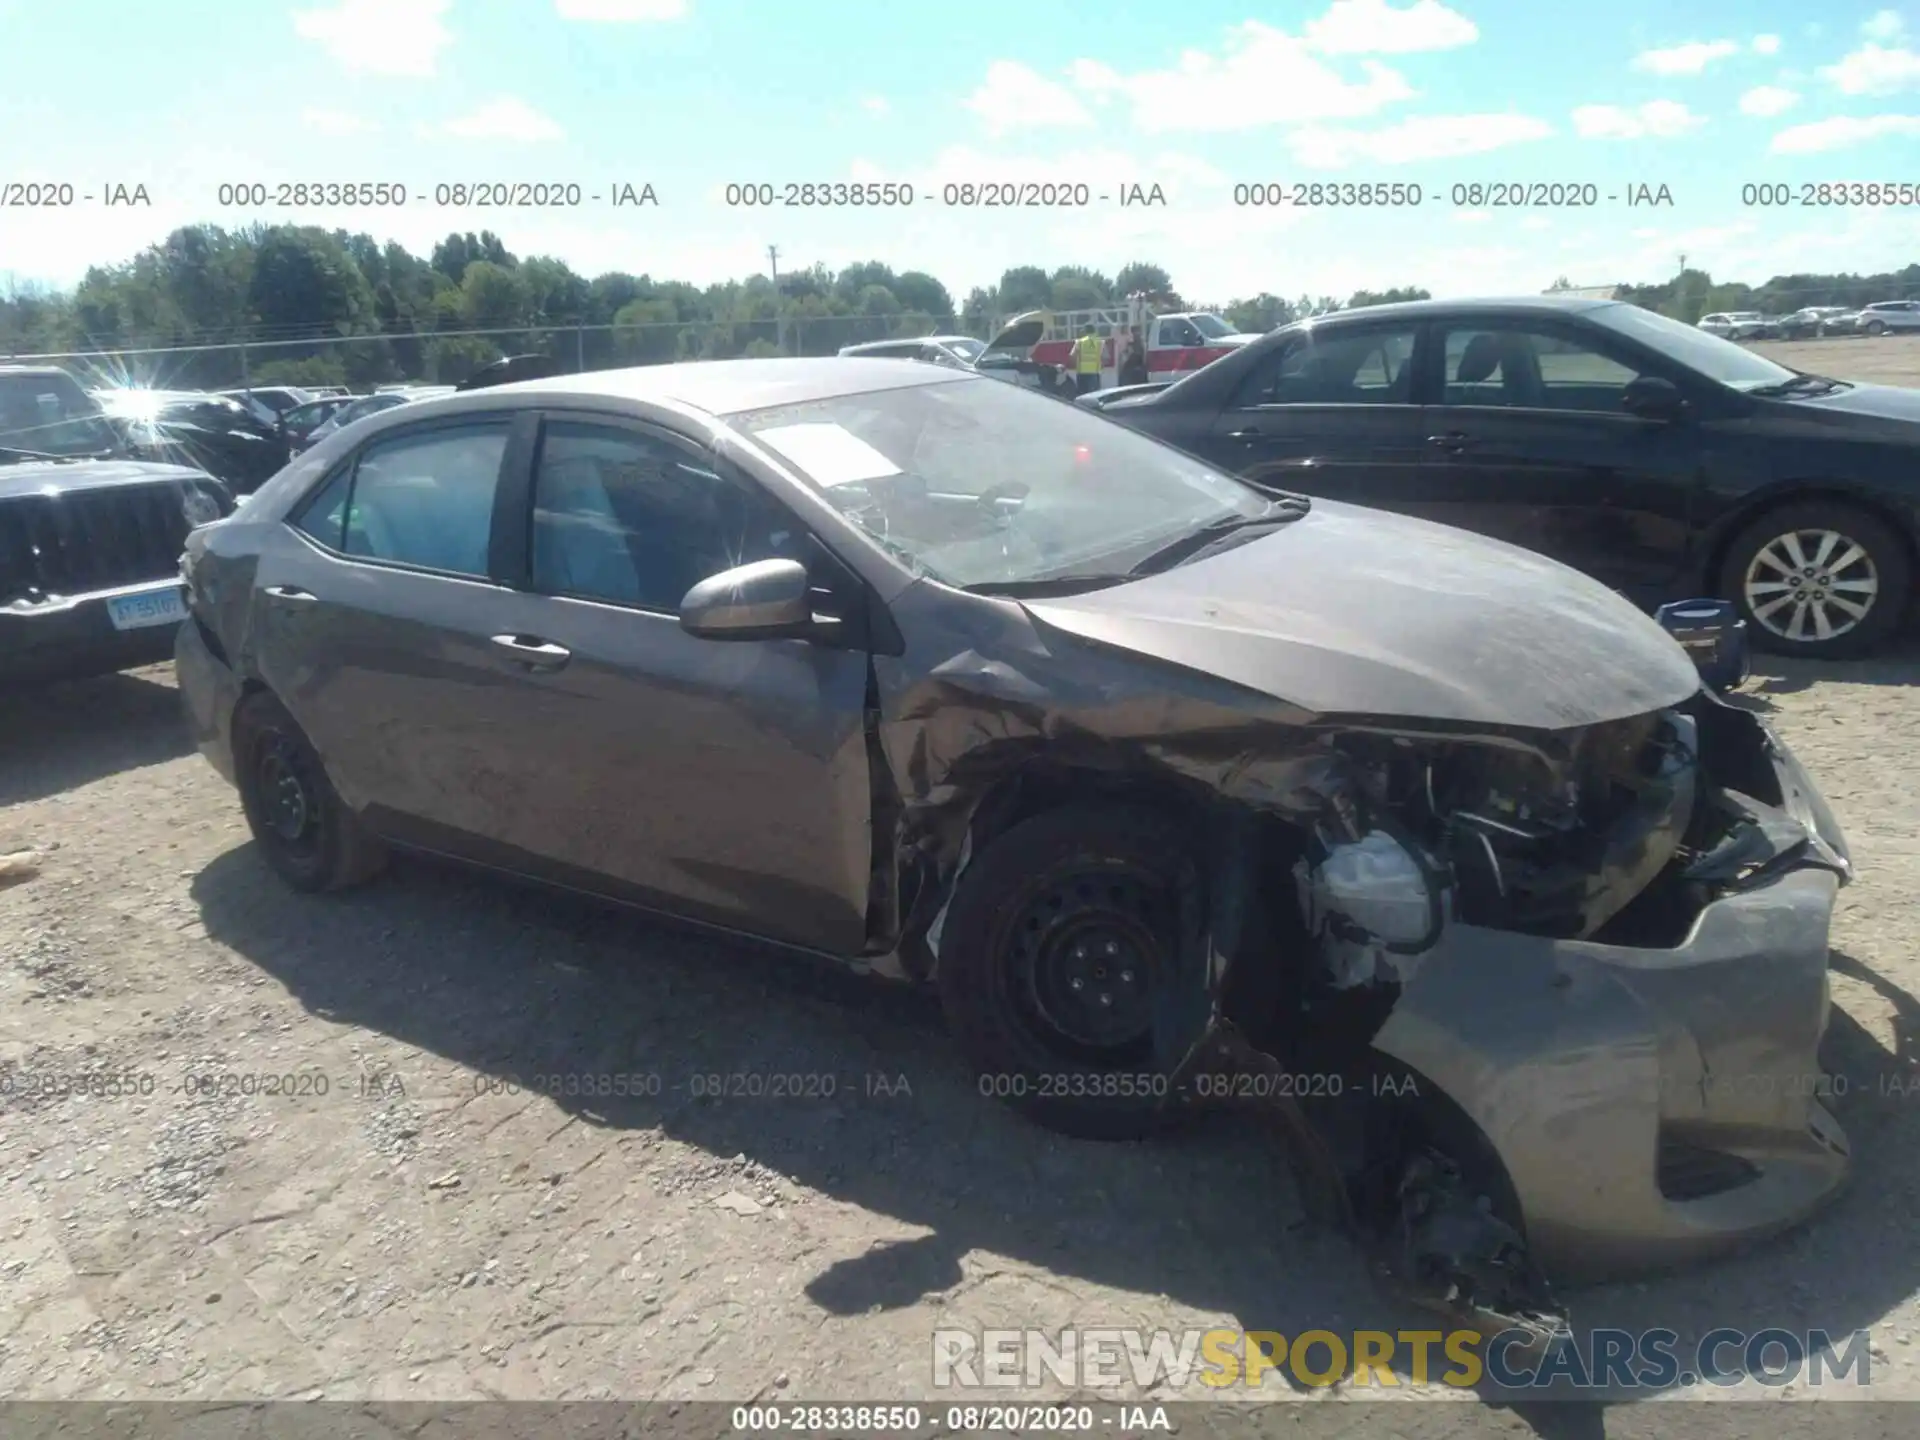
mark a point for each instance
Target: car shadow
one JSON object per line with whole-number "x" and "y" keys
{"x": 1897, "y": 664}
{"x": 511, "y": 981}
{"x": 57, "y": 737}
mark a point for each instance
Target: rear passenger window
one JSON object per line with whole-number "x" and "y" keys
{"x": 324, "y": 517}
{"x": 426, "y": 498}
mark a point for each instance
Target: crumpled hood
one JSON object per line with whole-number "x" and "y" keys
{"x": 1362, "y": 612}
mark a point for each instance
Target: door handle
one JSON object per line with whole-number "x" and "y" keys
{"x": 1451, "y": 440}
{"x": 1249, "y": 434}
{"x": 293, "y": 594}
{"x": 532, "y": 652}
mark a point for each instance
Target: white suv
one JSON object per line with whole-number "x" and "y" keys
{"x": 1734, "y": 324}
{"x": 1889, "y": 315}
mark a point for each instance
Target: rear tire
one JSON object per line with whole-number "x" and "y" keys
{"x": 304, "y": 829}
{"x": 1058, "y": 937}
{"x": 1812, "y": 565}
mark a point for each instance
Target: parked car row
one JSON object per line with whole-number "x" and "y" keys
{"x": 1884, "y": 317}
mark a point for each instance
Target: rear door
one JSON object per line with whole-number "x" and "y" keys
{"x": 724, "y": 780}
{"x": 1529, "y": 443}
{"x": 375, "y": 609}
{"x": 1331, "y": 413}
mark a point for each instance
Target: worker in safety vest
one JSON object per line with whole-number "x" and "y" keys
{"x": 1086, "y": 361}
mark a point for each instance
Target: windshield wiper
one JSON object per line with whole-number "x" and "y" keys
{"x": 1192, "y": 546}
{"x": 1801, "y": 385}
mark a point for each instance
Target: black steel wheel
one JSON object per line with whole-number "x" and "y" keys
{"x": 1060, "y": 938}
{"x": 307, "y": 834}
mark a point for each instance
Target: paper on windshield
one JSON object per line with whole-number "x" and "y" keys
{"x": 829, "y": 454}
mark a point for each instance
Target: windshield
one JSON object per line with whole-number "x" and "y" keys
{"x": 1709, "y": 355}
{"x": 1212, "y": 326}
{"x": 979, "y": 484}
{"x": 967, "y": 350}
{"x": 49, "y": 414}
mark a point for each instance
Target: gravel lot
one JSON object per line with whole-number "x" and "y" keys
{"x": 418, "y": 1232}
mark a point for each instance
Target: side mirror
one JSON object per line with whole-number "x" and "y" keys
{"x": 1652, "y": 397}
{"x": 767, "y": 600}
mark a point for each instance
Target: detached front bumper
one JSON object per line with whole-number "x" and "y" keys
{"x": 73, "y": 637}
{"x": 1652, "y": 1106}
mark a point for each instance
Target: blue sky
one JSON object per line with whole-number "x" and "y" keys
{"x": 1194, "y": 95}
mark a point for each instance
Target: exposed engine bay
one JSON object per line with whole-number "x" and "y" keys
{"x": 1619, "y": 834}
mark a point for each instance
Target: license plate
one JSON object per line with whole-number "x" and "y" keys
{"x": 149, "y": 607}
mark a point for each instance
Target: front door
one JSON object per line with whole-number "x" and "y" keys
{"x": 1529, "y": 443}
{"x": 1330, "y": 414}
{"x": 725, "y": 780}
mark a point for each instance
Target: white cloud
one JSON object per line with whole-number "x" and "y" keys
{"x": 1018, "y": 97}
{"x": 379, "y": 37}
{"x": 1262, "y": 77}
{"x": 1883, "y": 25}
{"x": 504, "y": 119}
{"x": 1768, "y": 100}
{"x": 1429, "y": 137}
{"x": 1842, "y": 131}
{"x": 876, "y": 105}
{"x": 337, "y": 123}
{"x": 1688, "y": 59}
{"x": 620, "y": 11}
{"x": 1874, "y": 70}
{"x": 1664, "y": 119}
{"x": 1375, "y": 27}
{"x": 1766, "y": 44}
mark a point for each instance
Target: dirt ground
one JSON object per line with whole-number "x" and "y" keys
{"x": 1881, "y": 359}
{"x": 420, "y": 1232}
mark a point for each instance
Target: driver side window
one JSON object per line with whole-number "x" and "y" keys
{"x": 629, "y": 518}
{"x": 1536, "y": 369}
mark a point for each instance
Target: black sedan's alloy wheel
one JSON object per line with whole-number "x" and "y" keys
{"x": 307, "y": 834}
{"x": 1818, "y": 578}
{"x": 1060, "y": 932}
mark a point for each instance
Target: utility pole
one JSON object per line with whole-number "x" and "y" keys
{"x": 779, "y": 310}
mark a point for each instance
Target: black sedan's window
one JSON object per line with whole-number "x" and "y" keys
{"x": 1371, "y": 367}
{"x": 1535, "y": 369}
{"x": 624, "y": 517}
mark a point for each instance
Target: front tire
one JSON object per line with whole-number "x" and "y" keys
{"x": 1059, "y": 937}
{"x": 1875, "y": 327}
{"x": 1819, "y": 579}
{"x": 303, "y": 828}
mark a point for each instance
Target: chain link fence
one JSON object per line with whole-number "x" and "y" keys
{"x": 442, "y": 357}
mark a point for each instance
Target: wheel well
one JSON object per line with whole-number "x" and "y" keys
{"x": 1801, "y": 495}
{"x": 1257, "y": 980}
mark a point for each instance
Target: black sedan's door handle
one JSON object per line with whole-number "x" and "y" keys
{"x": 292, "y": 594}
{"x": 532, "y": 652}
{"x": 1248, "y": 434}
{"x": 1451, "y": 440}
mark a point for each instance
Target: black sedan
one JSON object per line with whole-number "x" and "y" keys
{"x": 1664, "y": 461}
{"x": 208, "y": 432}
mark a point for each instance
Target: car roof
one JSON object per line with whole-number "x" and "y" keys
{"x": 1455, "y": 309}
{"x": 732, "y": 387}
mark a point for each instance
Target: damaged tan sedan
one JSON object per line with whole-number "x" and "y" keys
{"x": 1178, "y": 790}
